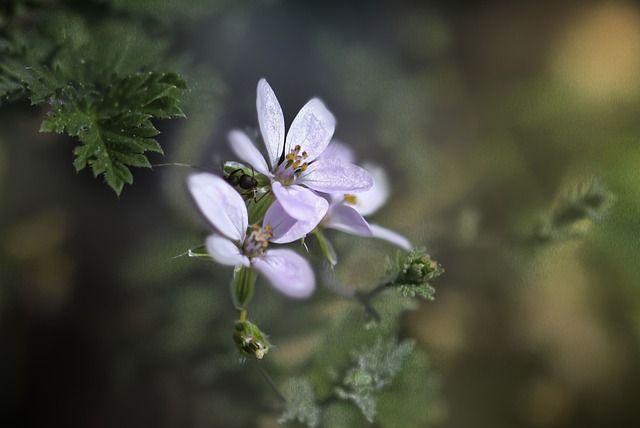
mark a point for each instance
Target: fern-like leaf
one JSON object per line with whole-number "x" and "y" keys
{"x": 301, "y": 404}
{"x": 113, "y": 138}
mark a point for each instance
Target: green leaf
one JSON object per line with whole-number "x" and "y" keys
{"x": 301, "y": 404}
{"x": 114, "y": 124}
{"x": 579, "y": 208}
{"x": 95, "y": 73}
{"x": 12, "y": 75}
{"x": 374, "y": 368}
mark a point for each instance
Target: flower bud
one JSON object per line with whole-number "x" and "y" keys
{"x": 250, "y": 340}
{"x": 418, "y": 268}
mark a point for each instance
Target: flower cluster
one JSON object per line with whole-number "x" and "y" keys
{"x": 305, "y": 183}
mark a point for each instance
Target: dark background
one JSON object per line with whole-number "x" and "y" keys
{"x": 484, "y": 114}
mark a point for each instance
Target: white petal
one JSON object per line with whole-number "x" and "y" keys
{"x": 299, "y": 202}
{"x": 225, "y": 252}
{"x": 338, "y": 150}
{"x": 287, "y": 271}
{"x": 286, "y": 228}
{"x": 311, "y": 129}
{"x": 390, "y": 236}
{"x": 335, "y": 176}
{"x": 271, "y": 121}
{"x": 346, "y": 219}
{"x": 220, "y": 204}
{"x": 373, "y": 199}
{"x": 243, "y": 148}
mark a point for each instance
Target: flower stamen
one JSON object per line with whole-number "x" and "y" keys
{"x": 294, "y": 163}
{"x": 257, "y": 241}
{"x": 351, "y": 199}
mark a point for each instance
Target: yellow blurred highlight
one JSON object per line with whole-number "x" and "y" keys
{"x": 599, "y": 55}
{"x": 558, "y": 314}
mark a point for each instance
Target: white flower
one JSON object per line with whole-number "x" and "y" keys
{"x": 225, "y": 209}
{"x": 294, "y": 166}
{"x": 346, "y": 211}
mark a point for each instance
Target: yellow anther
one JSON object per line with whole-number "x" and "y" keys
{"x": 290, "y": 156}
{"x": 296, "y": 164}
{"x": 305, "y": 155}
{"x": 351, "y": 199}
{"x": 304, "y": 166}
{"x": 297, "y": 148}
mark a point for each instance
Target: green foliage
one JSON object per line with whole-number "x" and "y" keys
{"x": 168, "y": 12}
{"x": 355, "y": 364}
{"x": 113, "y": 139}
{"x": 98, "y": 75}
{"x": 301, "y": 403}
{"x": 574, "y": 212}
{"x": 411, "y": 273}
{"x": 374, "y": 368}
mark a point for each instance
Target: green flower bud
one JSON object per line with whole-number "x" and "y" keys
{"x": 418, "y": 268}
{"x": 250, "y": 340}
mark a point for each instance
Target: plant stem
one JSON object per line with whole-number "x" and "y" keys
{"x": 270, "y": 381}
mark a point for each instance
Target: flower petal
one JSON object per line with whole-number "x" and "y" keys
{"x": 346, "y": 219}
{"x": 287, "y": 271}
{"x": 271, "y": 120}
{"x": 333, "y": 176}
{"x": 373, "y": 199}
{"x": 225, "y": 252}
{"x": 338, "y": 150}
{"x": 243, "y": 148}
{"x": 312, "y": 129}
{"x": 220, "y": 204}
{"x": 390, "y": 236}
{"x": 286, "y": 228}
{"x": 299, "y": 202}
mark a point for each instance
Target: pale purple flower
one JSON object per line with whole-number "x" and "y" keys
{"x": 293, "y": 162}
{"x": 346, "y": 211}
{"x": 239, "y": 244}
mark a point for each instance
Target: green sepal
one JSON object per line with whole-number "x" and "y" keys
{"x": 242, "y": 284}
{"x": 199, "y": 252}
{"x": 258, "y": 209}
{"x": 326, "y": 247}
{"x": 250, "y": 340}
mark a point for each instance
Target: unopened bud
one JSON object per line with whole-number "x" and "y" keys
{"x": 250, "y": 340}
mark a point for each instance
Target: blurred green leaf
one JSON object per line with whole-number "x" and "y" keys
{"x": 301, "y": 403}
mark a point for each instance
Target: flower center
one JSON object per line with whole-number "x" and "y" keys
{"x": 256, "y": 242}
{"x": 294, "y": 162}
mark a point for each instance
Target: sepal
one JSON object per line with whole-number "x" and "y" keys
{"x": 242, "y": 284}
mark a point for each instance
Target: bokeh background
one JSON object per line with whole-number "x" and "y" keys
{"x": 485, "y": 115}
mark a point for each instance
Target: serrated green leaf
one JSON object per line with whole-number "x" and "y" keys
{"x": 96, "y": 74}
{"x": 115, "y": 130}
{"x": 133, "y": 159}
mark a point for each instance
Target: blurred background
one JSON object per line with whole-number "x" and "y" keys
{"x": 487, "y": 117}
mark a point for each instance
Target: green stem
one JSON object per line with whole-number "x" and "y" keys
{"x": 270, "y": 381}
